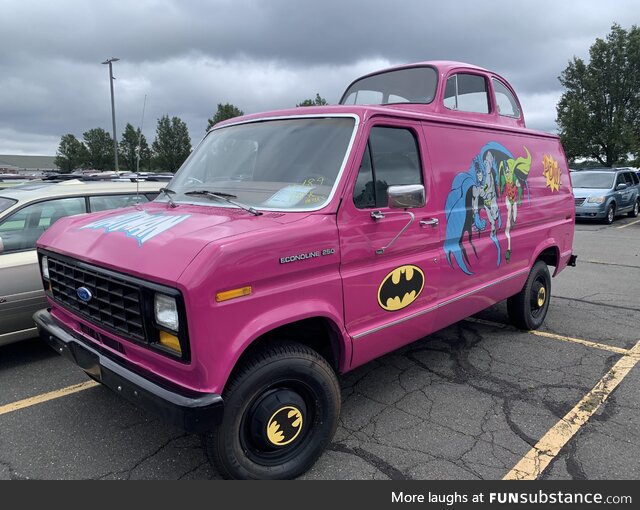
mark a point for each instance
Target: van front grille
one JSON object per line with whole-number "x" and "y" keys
{"x": 113, "y": 303}
{"x": 579, "y": 201}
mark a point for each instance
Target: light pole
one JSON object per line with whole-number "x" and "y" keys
{"x": 113, "y": 110}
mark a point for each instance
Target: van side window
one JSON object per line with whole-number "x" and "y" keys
{"x": 506, "y": 103}
{"x": 391, "y": 158}
{"x": 620, "y": 179}
{"x": 629, "y": 179}
{"x": 466, "y": 93}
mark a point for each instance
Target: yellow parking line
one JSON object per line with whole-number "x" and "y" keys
{"x": 532, "y": 465}
{"x": 588, "y": 343}
{"x": 39, "y": 399}
{"x": 629, "y": 224}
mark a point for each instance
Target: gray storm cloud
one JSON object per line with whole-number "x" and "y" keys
{"x": 189, "y": 56}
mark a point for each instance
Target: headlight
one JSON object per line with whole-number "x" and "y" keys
{"x": 45, "y": 267}
{"x": 596, "y": 200}
{"x": 166, "y": 311}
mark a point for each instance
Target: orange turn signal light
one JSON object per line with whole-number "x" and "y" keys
{"x": 232, "y": 294}
{"x": 170, "y": 341}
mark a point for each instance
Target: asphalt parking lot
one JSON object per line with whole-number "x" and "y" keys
{"x": 478, "y": 400}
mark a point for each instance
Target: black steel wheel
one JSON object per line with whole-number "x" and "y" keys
{"x": 281, "y": 411}
{"x": 528, "y": 309}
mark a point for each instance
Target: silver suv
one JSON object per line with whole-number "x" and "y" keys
{"x": 25, "y": 213}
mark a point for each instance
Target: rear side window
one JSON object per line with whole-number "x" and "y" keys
{"x": 506, "y": 103}
{"x": 21, "y": 230}
{"x": 466, "y": 93}
{"x": 390, "y": 159}
{"x": 104, "y": 203}
{"x": 5, "y": 203}
{"x": 636, "y": 179}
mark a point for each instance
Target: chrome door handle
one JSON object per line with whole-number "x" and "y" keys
{"x": 431, "y": 221}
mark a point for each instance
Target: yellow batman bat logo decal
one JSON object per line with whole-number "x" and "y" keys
{"x": 284, "y": 426}
{"x": 400, "y": 288}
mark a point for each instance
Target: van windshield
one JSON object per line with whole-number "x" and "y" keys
{"x": 594, "y": 180}
{"x": 283, "y": 164}
{"x": 412, "y": 85}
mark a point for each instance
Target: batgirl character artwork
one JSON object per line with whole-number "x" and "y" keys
{"x": 495, "y": 176}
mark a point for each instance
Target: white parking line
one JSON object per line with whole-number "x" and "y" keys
{"x": 629, "y": 224}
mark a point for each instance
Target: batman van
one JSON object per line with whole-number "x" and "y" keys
{"x": 296, "y": 245}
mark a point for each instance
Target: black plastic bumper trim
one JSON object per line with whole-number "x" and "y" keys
{"x": 189, "y": 410}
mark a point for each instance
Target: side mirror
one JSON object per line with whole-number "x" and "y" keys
{"x": 406, "y": 196}
{"x": 620, "y": 187}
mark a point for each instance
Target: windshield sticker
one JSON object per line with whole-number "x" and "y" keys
{"x": 288, "y": 196}
{"x": 140, "y": 225}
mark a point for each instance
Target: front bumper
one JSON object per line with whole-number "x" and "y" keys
{"x": 184, "y": 408}
{"x": 594, "y": 211}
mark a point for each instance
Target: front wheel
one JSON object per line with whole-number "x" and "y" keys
{"x": 281, "y": 411}
{"x": 528, "y": 308}
{"x": 611, "y": 214}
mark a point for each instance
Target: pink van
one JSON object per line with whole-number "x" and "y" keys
{"x": 293, "y": 246}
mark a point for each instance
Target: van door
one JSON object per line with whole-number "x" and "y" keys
{"x": 389, "y": 257}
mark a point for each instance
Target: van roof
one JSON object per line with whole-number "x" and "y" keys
{"x": 433, "y": 110}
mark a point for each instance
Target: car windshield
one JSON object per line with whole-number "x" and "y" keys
{"x": 280, "y": 164}
{"x": 412, "y": 85}
{"x": 5, "y": 203}
{"x": 599, "y": 180}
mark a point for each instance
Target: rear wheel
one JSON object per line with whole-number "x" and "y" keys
{"x": 281, "y": 411}
{"x": 528, "y": 308}
{"x": 611, "y": 214}
{"x": 636, "y": 208}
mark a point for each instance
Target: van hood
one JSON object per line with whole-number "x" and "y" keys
{"x": 153, "y": 241}
{"x": 590, "y": 192}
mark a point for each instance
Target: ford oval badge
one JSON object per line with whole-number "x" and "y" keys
{"x": 84, "y": 294}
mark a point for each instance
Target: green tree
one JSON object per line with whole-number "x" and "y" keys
{"x": 128, "y": 149}
{"x": 224, "y": 112}
{"x": 99, "y": 146}
{"x": 172, "y": 144}
{"x": 318, "y": 101}
{"x": 599, "y": 112}
{"x": 71, "y": 154}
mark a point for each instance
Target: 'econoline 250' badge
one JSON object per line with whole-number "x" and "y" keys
{"x": 400, "y": 288}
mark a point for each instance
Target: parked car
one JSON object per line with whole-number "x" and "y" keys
{"x": 299, "y": 244}
{"x": 25, "y": 213}
{"x": 605, "y": 193}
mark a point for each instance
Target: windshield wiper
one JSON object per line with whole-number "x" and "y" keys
{"x": 167, "y": 193}
{"x": 226, "y": 197}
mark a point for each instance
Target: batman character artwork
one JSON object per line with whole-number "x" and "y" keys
{"x": 476, "y": 190}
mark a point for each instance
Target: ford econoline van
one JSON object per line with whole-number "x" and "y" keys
{"x": 296, "y": 245}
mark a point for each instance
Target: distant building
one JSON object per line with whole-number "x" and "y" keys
{"x": 27, "y": 165}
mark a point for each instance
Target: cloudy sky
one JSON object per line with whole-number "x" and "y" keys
{"x": 187, "y": 56}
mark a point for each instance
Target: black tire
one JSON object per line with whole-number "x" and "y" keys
{"x": 611, "y": 214}
{"x": 528, "y": 308}
{"x": 287, "y": 382}
{"x": 633, "y": 213}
